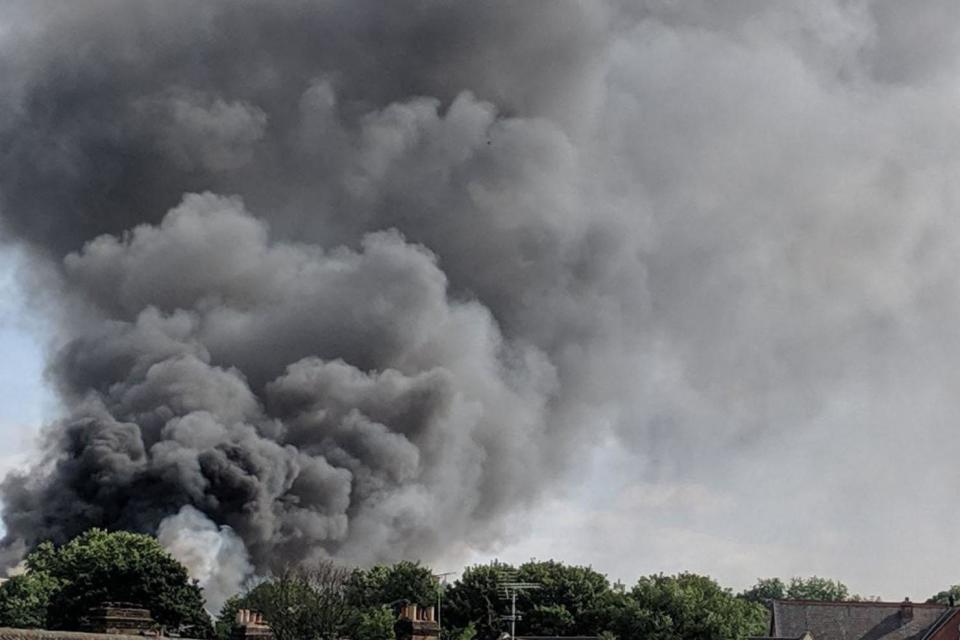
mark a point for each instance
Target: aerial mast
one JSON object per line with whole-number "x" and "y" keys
{"x": 441, "y": 579}
{"x": 508, "y": 586}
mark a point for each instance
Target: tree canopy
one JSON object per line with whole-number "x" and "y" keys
{"x": 765, "y": 590}
{"x": 812, "y": 588}
{"x": 392, "y": 585}
{"x": 331, "y": 602}
{"x": 688, "y": 607}
{"x": 949, "y": 596}
{"x": 817, "y": 588}
{"x": 576, "y": 600}
{"x": 62, "y": 583}
{"x": 25, "y": 599}
{"x": 304, "y": 604}
{"x": 473, "y": 602}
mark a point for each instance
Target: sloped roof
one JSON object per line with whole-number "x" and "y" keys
{"x": 950, "y": 614}
{"x": 853, "y": 620}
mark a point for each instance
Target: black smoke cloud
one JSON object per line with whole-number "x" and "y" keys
{"x": 359, "y": 280}
{"x": 311, "y": 263}
{"x": 311, "y": 400}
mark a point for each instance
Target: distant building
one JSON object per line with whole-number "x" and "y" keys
{"x": 813, "y": 620}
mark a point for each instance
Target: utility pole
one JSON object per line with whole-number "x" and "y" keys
{"x": 441, "y": 579}
{"x": 508, "y": 587}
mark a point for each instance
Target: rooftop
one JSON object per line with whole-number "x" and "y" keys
{"x": 855, "y": 620}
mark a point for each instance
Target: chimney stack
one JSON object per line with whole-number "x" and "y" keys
{"x": 906, "y": 610}
{"x": 417, "y": 623}
{"x": 250, "y": 625}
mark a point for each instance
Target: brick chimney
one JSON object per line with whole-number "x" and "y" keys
{"x": 417, "y": 623}
{"x": 250, "y": 625}
{"x": 121, "y": 618}
{"x": 906, "y": 610}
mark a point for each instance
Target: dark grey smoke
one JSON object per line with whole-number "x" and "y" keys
{"x": 361, "y": 278}
{"x": 316, "y": 275}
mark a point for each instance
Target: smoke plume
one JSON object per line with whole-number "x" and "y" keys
{"x": 215, "y": 556}
{"x": 303, "y": 283}
{"x": 360, "y": 280}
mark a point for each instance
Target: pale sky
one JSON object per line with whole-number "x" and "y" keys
{"x": 24, "y": 399}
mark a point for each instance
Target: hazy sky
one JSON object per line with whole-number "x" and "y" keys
{"x": 676, "y": 283}
{"x": 24, "y": 400}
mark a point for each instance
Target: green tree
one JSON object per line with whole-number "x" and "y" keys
{"x": 688, "y": 607}
{"x": 569, "y": 601}
{"x": 100, "y": 566}
{"x": 375, "y": 623}
{"x": 469, "y": 632}
{"x": 817, "y": 588}
{"x": 25, "y": 599}
{"x": 392, "y": 586}
{"x": 765, "y": 590}
{"x": 304, "y": 604}
{"x": 472, "y": 601}
{"x": 949, "y": 596}
{"x": 547, "y": 620}
{"x": 227, "y": 617}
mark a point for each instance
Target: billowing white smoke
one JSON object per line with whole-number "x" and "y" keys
{"x": 214, "y": 556}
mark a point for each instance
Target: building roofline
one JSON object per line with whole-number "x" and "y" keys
{"x": 859, "y": 603}
{"x": 942, "y": 620}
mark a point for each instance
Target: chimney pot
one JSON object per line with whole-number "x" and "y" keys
{"x": 906, "y": 609}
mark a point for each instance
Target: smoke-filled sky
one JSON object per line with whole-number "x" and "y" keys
{"x": 648, "y": 285}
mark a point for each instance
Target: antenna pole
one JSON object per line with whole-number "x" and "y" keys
{"x": 507, "y": 589}
{"x": 441, "y": 579}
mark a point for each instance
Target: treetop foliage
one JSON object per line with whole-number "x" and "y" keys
{"x": 578, "y": 600}
{"x": 304, "y": 604}
{"x": 326, "y": 602}
{"x": 62, "y": 583}
{"x": 950, "y": 596}
{"x": 812, "y": 588}
{"x": 392, "y": 586}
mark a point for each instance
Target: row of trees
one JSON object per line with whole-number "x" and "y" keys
{"x": 330, "y": 603}
{"x": 571, "y": 601}
{"x": 327, "y": 601}
{"x": 60, "y": 585}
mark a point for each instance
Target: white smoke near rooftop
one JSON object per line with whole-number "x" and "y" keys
{"x": 215, "y": 556}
